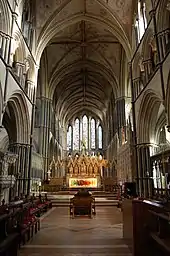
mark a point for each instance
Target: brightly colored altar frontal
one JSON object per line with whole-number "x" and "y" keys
{"x": 88, "y": 183}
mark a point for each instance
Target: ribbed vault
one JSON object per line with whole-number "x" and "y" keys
{"x": 83, "y": 61}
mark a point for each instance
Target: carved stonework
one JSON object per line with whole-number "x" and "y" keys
{"x": 83, "y": 165}
{"x": 153, "y": 44}
{"x": 141, "y": 65}
{"x": 86, "y": 165}
{"x": 103, "y": 12}
{"x": 168, "y": 5}
{"x": 5, "y": 179}
{"x": 120, "y": 3}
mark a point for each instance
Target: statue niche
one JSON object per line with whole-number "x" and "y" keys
{"x": 95, "y": 169}
{"x": 85, "y": 166}
{"x": 83, "y": 169}
{"x": 76, "y": 169}
{"x": 53, "y": 172}
{"x": 71, "y": 169}
{"x": 90, "y": 169}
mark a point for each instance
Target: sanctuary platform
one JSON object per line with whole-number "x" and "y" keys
{"x": 62, "y": 198}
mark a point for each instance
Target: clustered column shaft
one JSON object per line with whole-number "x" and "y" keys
{"x": 45, "y": 126}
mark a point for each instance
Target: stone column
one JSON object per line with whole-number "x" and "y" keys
{"x": 4, "y": 45}
{"x": 144, "y": 170}
{"x": 6, "y": 51}
{"x": 120, "y": 116}
{"x": 45, "y": 126}
{"x": 29, "y": 89}
{"x": 20, "y": 72}
{"x": 21, "y": 167}
{"x": 25, "y": 168}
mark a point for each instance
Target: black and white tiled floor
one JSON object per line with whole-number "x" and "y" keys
{"x": 62, "y": 236}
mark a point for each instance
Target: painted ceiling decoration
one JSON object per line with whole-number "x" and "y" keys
{"x": 82, "y": 45}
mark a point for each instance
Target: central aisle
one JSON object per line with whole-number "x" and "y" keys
{"x": 60, "y": 235}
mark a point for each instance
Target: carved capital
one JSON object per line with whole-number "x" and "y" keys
{"x": 168, "y": 5}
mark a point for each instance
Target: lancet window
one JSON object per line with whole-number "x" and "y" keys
{"x": 100, "y": 137}
{"x": 84, "y": 133}
{"x": 69, "y": 137}
{"x": 76, "y": 134}
{"x": 93, "y": 133}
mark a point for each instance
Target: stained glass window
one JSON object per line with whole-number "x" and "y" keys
{"x": 82, "y": 135}
{"x": 100, "y": 137}
{"x": 85, "y": 131}
{"x": 93, "y": 137}
{"x": 76, "y": 134}
{"x": 81, "y": 132}
{"x": 69, "y": 136}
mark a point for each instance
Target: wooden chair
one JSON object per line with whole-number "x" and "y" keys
{"x": 82, "y": 206}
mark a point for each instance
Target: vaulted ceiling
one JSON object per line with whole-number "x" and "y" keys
{"x": 82, "y": 58}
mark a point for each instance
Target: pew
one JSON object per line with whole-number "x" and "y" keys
{"x": 19, "y": 221}
{"x": 9, "y": 236}
{"x": 146, "y": 227}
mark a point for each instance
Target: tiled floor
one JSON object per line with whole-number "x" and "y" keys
{"x": 62, "y": 236}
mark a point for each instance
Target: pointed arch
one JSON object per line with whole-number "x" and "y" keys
{"x": 149, "y": 35}
{"x": 69, "y": 137}
{"x": 100, "y": 138}
{"x": 148, "y": 116}
{"x": 76, "y": 134}
{"x": 85, "y": 130}
{"x": 19, "y": 47}
{"x": 16, "y": 118}
{"x": 93, "y": 133}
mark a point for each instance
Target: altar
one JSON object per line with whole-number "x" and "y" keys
{"x": 83, "y": 182}
{"x": 85, "y": 171}
{"x": 78, "y": 171}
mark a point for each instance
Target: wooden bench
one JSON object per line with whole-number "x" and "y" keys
{"x": 29, "y": 223}
{"x": 9, "y": 236}
{"x": 19, "y": 221}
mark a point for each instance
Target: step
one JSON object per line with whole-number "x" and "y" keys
{"x": 66, "y": 204}
{"x": 68, "y": 197}
{"x": 96, "y": 193}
